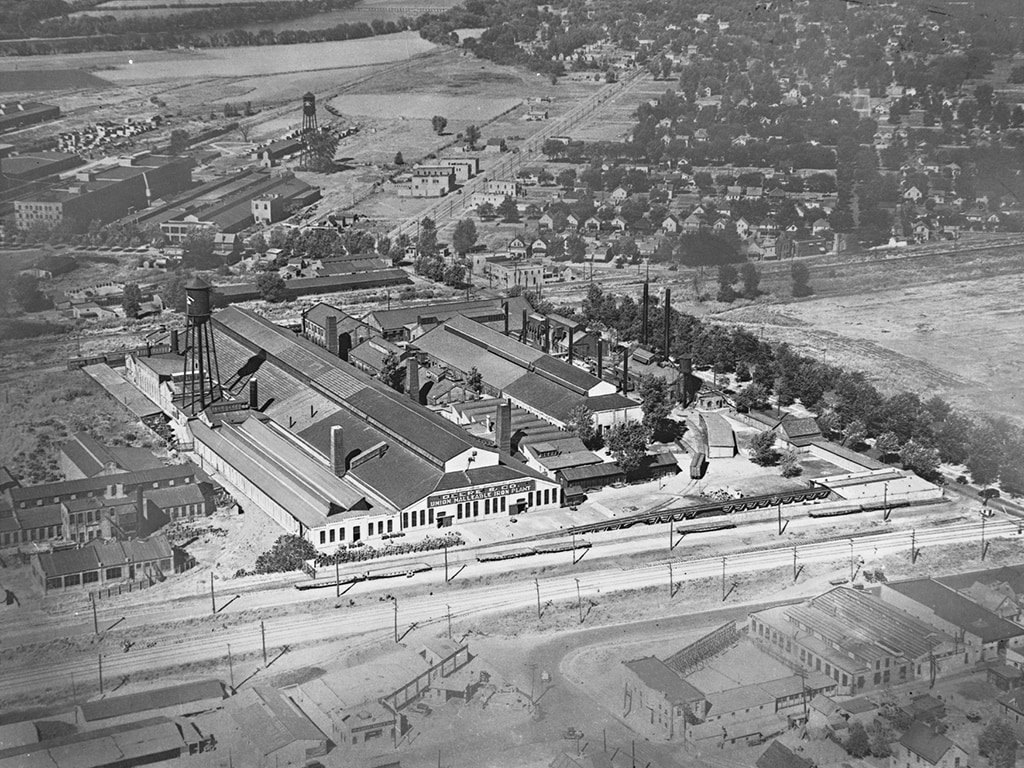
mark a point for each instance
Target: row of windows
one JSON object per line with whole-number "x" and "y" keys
{"x": 110, "y": 491}
{"x": 30, "y": 534}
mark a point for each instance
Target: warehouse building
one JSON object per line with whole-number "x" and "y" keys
{"x": 182, "y": 700}
{"x": 335, "y": 456}
{"x": 332, "y": 328}
{"x": 18, "y": 114}
{"x": 99, "y": 565}
{"x": 409, "y": 323}
{"x": 860, "y": 641}
{"x": 272, "y": 730}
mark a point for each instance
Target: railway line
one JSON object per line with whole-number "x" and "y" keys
{"x": 373, "y": 624}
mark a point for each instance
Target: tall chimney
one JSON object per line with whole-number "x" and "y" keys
{"x": 254, "y": 394}
{"x": 412, "y": 375}
{"x": 570, "y": 346}
{"x": 625, "y": 369}
{"x": 644, "y": 313}
{"x": 338, "y": 451}
{"x": 503, "y": 426}
{"x": 546, "y": 343}
{"x": 504, "y": 312}
{"x": 174, "y": 341}
{"x": 600, "y": 354}
{"x": 522, "y": 336}
{"x": 331, "y": 332}
{"x": 668, "y": 322}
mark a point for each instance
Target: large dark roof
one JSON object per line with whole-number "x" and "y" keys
{"x": 159, "y": 698}
{"x": 953, "y": 607}
{"x": 920, "y": 739}
{"x": 98, "y": 555}
{"x": 29, "y": 493}
{"x": 780, "y": 756}
{"x": 658, "y": 676}
{"x": 394, "y": 319}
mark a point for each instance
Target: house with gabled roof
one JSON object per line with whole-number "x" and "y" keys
{"x": 922, "y": 745}
{"x": 670, "y": 224}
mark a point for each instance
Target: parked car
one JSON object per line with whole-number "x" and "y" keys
{"x": 421, "y": 708}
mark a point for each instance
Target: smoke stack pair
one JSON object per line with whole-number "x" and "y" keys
{"x": 338, "y": 451}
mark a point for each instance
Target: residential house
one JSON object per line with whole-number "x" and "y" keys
{"x": 921, "y": 745}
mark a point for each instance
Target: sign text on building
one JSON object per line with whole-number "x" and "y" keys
{"x": 461, "y": 497}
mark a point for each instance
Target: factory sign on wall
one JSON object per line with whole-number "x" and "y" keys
{"x": 461, "y": 497}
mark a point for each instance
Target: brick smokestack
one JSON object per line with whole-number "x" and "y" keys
{"x": 254, "y": 394}
{"x": 625, "y": 368}
{"x": 174, "y": 341}
{"x": 522, "y": 336}
{"x": 503, "y": 426}
{"x": 645, "y": 313}
{"x": 331, "y": 332}
{"x": 600, "y": 354}
{"x": 570, "y": 346}
{"x": 504, "y": 312}
{"x": 667, "y": 341}
{"x": 546, "y": 344}
{"x": 412, "y": 375}
{"x": 338, "y": 451}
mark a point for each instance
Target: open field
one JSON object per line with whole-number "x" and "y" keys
{"x": 49, "y": 80}
{"x": 959, "y": 339}
{"x": 422, "y": 106}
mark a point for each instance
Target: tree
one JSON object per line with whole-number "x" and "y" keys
{"x": 259, "y": 243}
{"x": 391, "y": 372}
{"x": 801, "y": 277}
{"x": 464, "y": 237}
{"x": 854, "y": 432}
{"x": 288, "y": 554}
{"x": 485, "y": 211}
{"x": 472, "y": 136}
{"x": 727, "y": 275}
{"x": 998, "y": 743}
{"x": 655, "y": 401}
{"x": 575, "y": 248}
{"x": 271, "y": 286}
{"x": 179, "y": 142}
{"x": 752, "y": 396}
{"x": 790, "y": 463}
{"x": 581, "y": 424}
{"x": 763, "y": 448}
{"x": 131, "y": 300}
{"x": 438, "y": 123}
{"x": 751, "y": 280}
{"x": 198, "y": 248}
{"x": 508, "y": 210}
{"x": 474, "y": 381}
{"x": 427, "y": 243}
{"x": 321, "y": 147}
{"x": 887, "y": 444}
{"x": 627, "y": 443}
{"x": 922, "y": 459}
{"x": 173, "y": 293}
{"x": 399, "y": 160}
{"x": 857, "y": 743}
{"x": 25, "y": 291}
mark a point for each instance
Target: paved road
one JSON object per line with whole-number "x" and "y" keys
{"x": 374, "y": 624}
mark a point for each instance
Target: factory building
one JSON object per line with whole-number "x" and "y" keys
{"x": 331, "y": 454}
{"x": 18, "y": 114}
{"x": 107, "y": 193}
{"x": 409, "y": 323}
{"x": 528, "y": 377}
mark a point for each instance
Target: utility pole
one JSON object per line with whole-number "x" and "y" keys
{"x": 337, "y": 578}
{"x": 794, "y": 564}
{"x": 396, "y": 618}
{"x": 780, "y": 518}
{"x": 263, "y": 637}
{"x": 95, "y": 620}
{"x": 537, "y": 585}
{"x": 213, "y": 600}
{"x": 579, "y": 600}
{"x": 851, "y": 561}
{"x": 231, "y": 668}
{"x": 723, "y": 579}
{"x": 449, "y": 621}
{"x": 446, "y": 562}
{"x": 913, "y": 546}
{"x": 982, "y": 537}
{"x": 670, "y": 582}
{"x": 99, "y": 658}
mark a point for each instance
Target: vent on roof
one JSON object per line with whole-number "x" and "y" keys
{"x": 373, "y": 452}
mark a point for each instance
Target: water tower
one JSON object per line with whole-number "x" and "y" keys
{"x": 202, "y": 379}
{"x": 308, "y": 112}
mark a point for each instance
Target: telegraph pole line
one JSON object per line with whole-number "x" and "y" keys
{"x": 579, "y": 600}
{"x": 213, "y": 600}
{"x": 337, "y": 578}
{"x": 231, "y": 668}
{"x": 99, "y": 658}
{"x": 723, "y": 579}
{"x": 671, "y": 585}
{"x": 449, "y": 621}
{"x": 537, "y": 585}
{"x": 794, "y": 565}
{"x": 95, "y": 620}
{"x": 263, "y": 637}
{"x": 395, "y": 599}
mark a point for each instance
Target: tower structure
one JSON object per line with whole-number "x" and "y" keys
{"x": 202, "y": 379}
{"x": 308, "y": 126}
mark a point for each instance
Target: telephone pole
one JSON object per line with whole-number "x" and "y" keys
{"x": 213, "y": 600}
{"x": 263, "y": 637}
{"x": 449, "y": 621}
{"x": 537, "y": 585}
{"x": 579, "y": 600}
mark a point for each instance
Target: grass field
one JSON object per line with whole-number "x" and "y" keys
{"x": 49, "y": 80}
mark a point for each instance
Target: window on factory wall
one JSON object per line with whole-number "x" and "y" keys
{"x": 355, "y": 533}
{"x": 476, "y": 509}
{"x": 413, "y": 516}
{"x": 423, "y": 517}
{"x": 405, "y": 519}
{"x": 114, "y": 573}
{"x": 90, "y": 577}
{"x": 487, "y": 506}
{"x": 53, "y": 583}
{"x": 341, "y": 534}
{"x": 502, "y": 503}
{"x": 430, "y": 518}
{"x": 72, "y": 580}
{"x": 332, "y": 535}
{"x": 390, "y": 522}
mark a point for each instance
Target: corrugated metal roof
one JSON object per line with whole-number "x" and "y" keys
{"x": 953, "y": 607}
{"x": 158, "y": 698}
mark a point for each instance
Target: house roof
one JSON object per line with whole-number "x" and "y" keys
{"x": 920, "y": 739}
{"x": 179, "y": 495}
{"x": 270, "y": 721}
{"x": 1014, "y": 701}
{"x": 780, "y": 756}
{"x": 32, "y": 493}
{"x": 953, "y": 607}
{"x": 159, "y": 698}
{"x": 658, "y": 676}
{"x": 797, "y": 427}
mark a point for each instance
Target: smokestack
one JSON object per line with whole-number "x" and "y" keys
{"x": 412, "y": 376}
{"x": 174, "y": 341}
{"x": 644, "y": 313}
{"x": 522, "y": 336}
{"x": 338, "y": 451}
{"x": 625, "y": 369}
{"x": 331, "y": 332}
{"x": 254, "y": 394}
{"x": 504, "y": 312}
{"x": 600, "y": 354}
{"x": 668, "y": 321}
{"x": 547, "y": 336}
{"x": 503, "y": 426}
{"x": 570, "y": 346}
